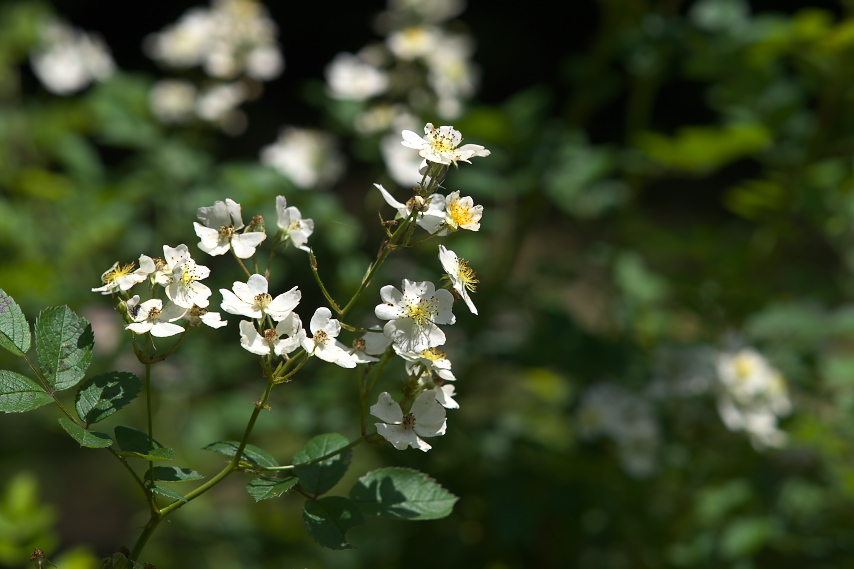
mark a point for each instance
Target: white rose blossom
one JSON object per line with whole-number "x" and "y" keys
{"x": 219, "y": 232}
{"x": 149, "y": 317}
{"x": 461, "y": 213}
{"x": 290, "y": 220}
{"x": 323, "y": 343}
{"x": 181, "y": 276}
{"x": 413, "y": 314}
{"x": 271, "y": 341}
{"x": 430, "y": 216}
{"x": 432, "y": 360}
{"x": 371, "y": 344}
{"x": 425, "y": 419}
{"x": 251, "y": 299}
{"x": 463, "y": 278}
{"x": 120, "y": 278}
{"x": 441, "y": 145}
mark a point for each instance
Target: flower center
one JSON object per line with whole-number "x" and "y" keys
{"x": 467, "y": 276}
{"x": 360, "y": 345}
{"x": 117, "y": 273}
{"x": 441, "y": 142}
{"x": 433, "y": 354}
{"x": 408, "y": 421}
{"x": 460, "y": 214}
{"x": 271, "y": 335}
{"x": 188, "y": 273}
{"x": 422, "y": 311}
{"x": 226, "y": 231}
{"x": 743, "y": 367}
{"x": 321, "y": 337}
{"x": 263, "y": 300}
{"x": 295, "y": 225}
{"x": 153, "y": 315}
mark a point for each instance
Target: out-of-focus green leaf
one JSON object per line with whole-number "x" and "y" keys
{"x": 699, "y": 149}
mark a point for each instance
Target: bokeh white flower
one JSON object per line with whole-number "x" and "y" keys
{"x": 309, "y": 158}
{"x": 68, "y": 60}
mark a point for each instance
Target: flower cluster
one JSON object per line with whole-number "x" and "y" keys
{"x": 234, "y": 42}
{"x": 422, "y": 67}
{"x": 752, "y": 395}
{"x": 608, "y": 411}
{"x": 67, "y": 60}
{"x": 415, "y": 312}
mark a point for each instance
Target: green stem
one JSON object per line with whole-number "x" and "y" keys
{"x": 313, "y": 262}
{"x": 158, "y": 515}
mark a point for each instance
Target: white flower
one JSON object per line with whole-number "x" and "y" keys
{"x": 463, "y": 278}
{"x": 350, "y": 77}
{"x": 323, "y": 344}
{"x": 197, "y": 315}
{"x": 462, "y": 213}
{"x": 218, "y": 104}
{"x": 445, "y": 396}
{"x": 290, "y": 220}
{"x": 372, "y": 343}
{"x": 402, "y": 164}
{"x": 430, "y": 216}
{"x": 120, "y": 278}
{"x": 70, "y": 59}
{"x": 413, "y": 42}
{"x": 307, "y": 157}
{"x": 252, "y": 299}
{"x": 271, "y": 340}
{"x": 181, "y": 276}
{"x": 440, "y": 145}
{"x": 431, "y": 360}
{"x": 172, "y": 100}
{"x": 150, "y": 317}
{"x": 219, "y": 232}
{"x": 413, "y": 314}
{"x": 425, "y": 419}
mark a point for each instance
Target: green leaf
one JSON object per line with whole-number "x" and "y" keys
{"x": 251, "y": 454}
{"x": 320, "y": 477}
{"x": 64, "y": 345}
{"x": 86, "y": 438}
{"x": 19, "y": 393}
{"x": 14, "y": 329}
{"x": 175, "y": 474}
{"x": 136, "y": 444}
{"x": 329, "y": 519}
{"x": 168, "y": 492}
{"x": 101, "y": 396}
{"x": 264, "y": 488}
{"x": 402, "y": 493}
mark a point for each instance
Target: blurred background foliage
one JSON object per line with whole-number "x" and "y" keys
{"x": 668, "y": 179}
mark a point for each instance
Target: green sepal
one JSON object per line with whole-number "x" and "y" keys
{"x": 320, "y": 477}
{"x": 86, "y": 438}
{"x": 402, "y": 493}
{"x": 251, "y": 454}
{"x": 168, "y": 492}
{"x": 100, "y": 396}
{"x": 175, "y": 474}
{"x": 14, "y": 328}
{"x": 64, "y": 344}
{"x": 136, "y": 444}
{"x": 329, "y": 519}
{"x": 264, "y": 488}
{"x": 19, "y": 393}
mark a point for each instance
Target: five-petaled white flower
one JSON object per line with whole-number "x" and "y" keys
{"x": 120, "y": 278}
{"x": 222, "y": 221}
{"x": 151, "y": 317}
{"x": 432, "y": 361}
{"x": 430, "y": 216}
{"x": 462, "y": 213}
{"x": 323, "y": 343}
{"x": 425, "y": 419}
{"x": 252, "y": 299}
{"x": 372, "y": 343}
{"x": 181, "y": 276}
{"x": 440, "y": 145}
{"x": 290, "y": 220}
{"x": 463, "y": 278}
{"x": 413, "y": 314}
{"x": 197, "y": 315}
{"x": 271, "y": 340}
